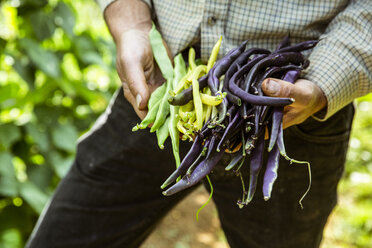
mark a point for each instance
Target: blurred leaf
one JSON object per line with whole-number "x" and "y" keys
{"x": 38, "y": 96}
{"x": 60, "y": 164}
{"x": 67, "y": 86}
{"x": 40, "y": 175}
{"x": 46, "y": 61}
{"x": 64, "y": 17}
{"x": 11, "y": 238}
{"x": 32, "y": 3}
{"x": 42, "y": 25}
{"x": 25, "y": 69}
{"x": 64, "y": 137}
{"x": 33, "y": 196}
{"x": 9, "y": 92}
{"x": 39, "y": 136}
{"x": 2, "y": 45}
{"x": 8, "y": 181}
{"x": 16, "y": 217}
{"x": 28, "y": 6}
{"x": 9, "y": 133}
{"x": 86, "y": 50}
{"x": 48, "y": 116}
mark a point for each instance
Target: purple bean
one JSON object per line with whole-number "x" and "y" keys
{"x": 199, "y": 158}
{"x": 277, "y": 118}
{"x": 292, "y": 75}
{"x": 231, "y": 125}
{"x": 259, "y": 100}
{"x": 193, "y": 153}
{"x": 255, "y": 167}
{"x": 203, "y": 169}
{"x": 235, "y": 160}
{"x": 224, "y": 64}
{"x": 271, "y": 172}
{"x": 299, "y": 47}
{"x": 280, "y": 59}
{"x": 284, "y": 43}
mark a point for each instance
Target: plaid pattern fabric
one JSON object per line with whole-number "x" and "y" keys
{"x": 341, "y": 64}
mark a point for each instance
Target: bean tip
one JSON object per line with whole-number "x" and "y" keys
{"x": 170, "y": 99}
{"x": 164, "y": 185}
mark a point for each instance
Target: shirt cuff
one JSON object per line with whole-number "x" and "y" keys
{"x": 332, "y": 71}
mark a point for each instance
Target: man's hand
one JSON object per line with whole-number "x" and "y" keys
{"x": 308, "y": 97}
{"x": 136, "y": 69}
{"x": 129, "y": 22}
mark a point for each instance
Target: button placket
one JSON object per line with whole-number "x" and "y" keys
{"x": 211, "y": 20}
{"x": 212, "y": 26}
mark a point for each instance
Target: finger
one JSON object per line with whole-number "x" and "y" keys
{"x": 279, "y": 88}
{"x": 293, "y": 116}
{"x": 132, "y": 100}
{"x": 288, "y": 119}
{"x": 136, "y": 81}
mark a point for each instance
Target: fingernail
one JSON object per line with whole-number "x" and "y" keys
{"x": 138, "y": 100}
{"x": 272, "y": 87}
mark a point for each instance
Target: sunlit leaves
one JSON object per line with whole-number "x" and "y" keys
{"x": 8, "y": 181}
{"x": 42, "y": 24}
{"x": 9, "y": 133}
{"x": 55, "y": 78}
{"x": 45, "y": 60}
{"x": 64, "y": 137}
{"x": 33, "y": 195}
{"x": 64, "y": 17}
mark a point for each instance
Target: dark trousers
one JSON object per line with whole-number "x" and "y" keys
{"x": 111, "y": 196}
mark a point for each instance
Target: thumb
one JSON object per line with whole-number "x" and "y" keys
{"x": 279, "y": 88}
{"x": 136, "y": 80}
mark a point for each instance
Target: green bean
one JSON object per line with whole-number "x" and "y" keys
{"x": 160, "y": 53}
{"x": 179, "y": 72}
{"x": 162, "y": 133}
{"x": 150, "y": 118}
{"x": 163, "y": 108}
{"x": 156, "y": 96}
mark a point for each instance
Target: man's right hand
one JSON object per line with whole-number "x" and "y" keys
{"x": 137, "y": 69}
{"x": 129, "y": 22}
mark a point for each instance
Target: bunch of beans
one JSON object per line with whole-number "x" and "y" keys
{"x": 243, "y": 117}
{"x": 221, "y": 108}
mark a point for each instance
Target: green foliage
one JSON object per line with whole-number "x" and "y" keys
{"x": 56, "y": 77}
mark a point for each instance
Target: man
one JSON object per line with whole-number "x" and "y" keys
{"x": 111, "y": 196}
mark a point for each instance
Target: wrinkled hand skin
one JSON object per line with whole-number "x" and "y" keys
{"x": 129, "y": 22}
{"x": 137, "y": 69}
{"x": 309, "y": 98}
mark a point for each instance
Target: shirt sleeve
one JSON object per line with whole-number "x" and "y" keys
{"x": 104, "y": 3}
{"x": 341, "y": 64}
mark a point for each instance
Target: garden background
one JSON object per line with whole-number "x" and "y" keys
{"x": 57, "y": 74}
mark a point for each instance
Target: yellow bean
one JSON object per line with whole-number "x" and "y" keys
{"x": 198, "y": 105}
{"x": 211, "y": 100}
{"x": 214, "y": 54}
{"x": 192, "y": 64}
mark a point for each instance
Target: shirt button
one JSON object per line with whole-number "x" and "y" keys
{"x": 212, "y": 20}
